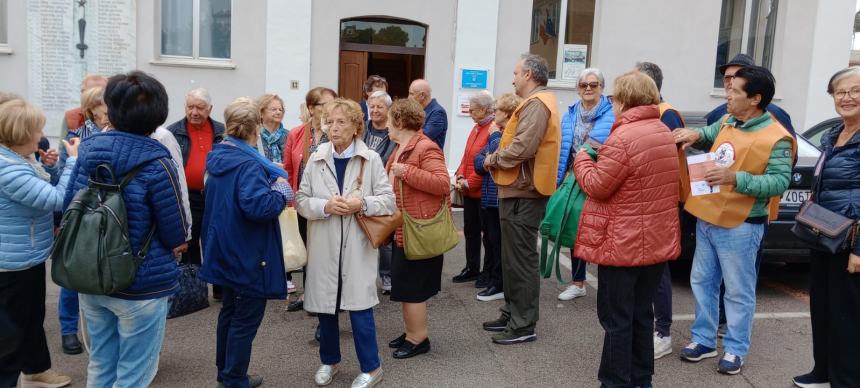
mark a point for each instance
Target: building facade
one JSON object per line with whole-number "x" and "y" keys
{"x": 286, "y": 47}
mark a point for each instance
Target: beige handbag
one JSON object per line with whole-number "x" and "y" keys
{"x": 295, "y": 254}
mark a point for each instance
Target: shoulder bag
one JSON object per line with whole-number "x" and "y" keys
{"x": 378, "y": 229}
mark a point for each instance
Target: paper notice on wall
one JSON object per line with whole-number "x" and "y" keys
{"x": 463, "y": 104}
{"x": 575, "y": 56}
{"x": 697, "y": 166}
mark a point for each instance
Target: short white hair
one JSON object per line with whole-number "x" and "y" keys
{"x": 386, "y": 99}
{"x": 589, "y": 71}
{"x": 482, "y": 99}
{"x": 200, "y": 94}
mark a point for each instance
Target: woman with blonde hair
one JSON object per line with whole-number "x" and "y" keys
{"x": 28, "y": 201}
{"x": 343, "y": 178}
{"x": 245, "y": 194}
{"x": 273, "y": 136}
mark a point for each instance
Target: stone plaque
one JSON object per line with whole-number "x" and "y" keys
{"x": 68, "y": 39}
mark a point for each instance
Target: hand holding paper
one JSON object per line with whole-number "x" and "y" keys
{"x": 699, "y": 167}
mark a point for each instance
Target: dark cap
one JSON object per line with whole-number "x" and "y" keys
{"x": 738, "y": 60}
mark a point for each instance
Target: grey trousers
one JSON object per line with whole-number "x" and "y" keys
{"x": 521, "y": 218}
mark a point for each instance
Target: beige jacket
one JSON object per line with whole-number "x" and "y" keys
{"x": 338, "y": 251}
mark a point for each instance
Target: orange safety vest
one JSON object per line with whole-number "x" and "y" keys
{"x": 546, "y": 159}
{"x": 684, "y": 186}
{"x": 750, "y": 152}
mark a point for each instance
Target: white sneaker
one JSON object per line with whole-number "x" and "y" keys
{"x": 662, "y": 345}
{"x": 291, "y": 287}
{"x": 572, "y": 292}
{"x": 325, "y": 374}
{"x": 386, "y": 283}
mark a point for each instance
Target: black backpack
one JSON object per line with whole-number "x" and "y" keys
{"x": 92, "y": 253}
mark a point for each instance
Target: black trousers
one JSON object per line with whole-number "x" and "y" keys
{"x": 493, "y": 245}
{"x": 472, "y": 229}
{"x": 624, "y": 298}
{"x": 22, "y": 302}
{"x": 663, "y": 303}
{"x": 197, "y": 202}
{"x": 834, "y": 303}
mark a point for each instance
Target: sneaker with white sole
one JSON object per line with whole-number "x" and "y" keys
{"x": 46, "y": 379}
{"x": 810, "y": 380}
{"x": 662, "y": 345}
{"x": 730, "y": 364}
{"x": 291, "y": 287}
{"x": 572, "y": 292}
{"x": 695, "y": 352}
{"x": 491, "y": 293}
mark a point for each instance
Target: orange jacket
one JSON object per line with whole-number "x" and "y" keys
{"x": 630, "y": 217}
{"x": 477, "y": 140}
{"x": 425, "y": 183}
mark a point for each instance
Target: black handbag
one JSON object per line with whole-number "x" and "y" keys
{"x": 193, "y": 294}
{"x": 820, "y": 227}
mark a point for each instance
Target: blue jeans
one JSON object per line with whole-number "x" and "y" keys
{"x": 126, "y": 337}
{"x": 727, "y": 255}
{"x": 363, "y": 334}
{"x": 67, "y": 311}
{"x": 238, "y": 321}
{"x": 577, "y": 268}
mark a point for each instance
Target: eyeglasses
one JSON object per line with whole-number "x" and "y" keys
{"x": 586, "y": 85}
{"x": 854, "y": 93}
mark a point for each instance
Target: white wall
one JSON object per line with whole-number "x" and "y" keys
{"x": 512, "y": 41}
{"x": 288, "y": 54}
{"x": 13, "y": 67}
{"x": 248, "y": 49}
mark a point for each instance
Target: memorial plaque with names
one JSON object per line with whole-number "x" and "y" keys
{"x": 68, "y": 39}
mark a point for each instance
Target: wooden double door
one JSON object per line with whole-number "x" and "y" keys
{"x": 399, "y": 69}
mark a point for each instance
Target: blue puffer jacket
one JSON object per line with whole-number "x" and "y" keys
{"x": 152, "y": 196}
{"x": 240, "y": 234}
{"x": 489, "y": 192}
{"x": 603, "y": 121}
{"x": 27, "y": 203}
{"x": 839, "y": 189}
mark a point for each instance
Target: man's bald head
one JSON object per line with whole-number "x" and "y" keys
{"x": 420, "y": 91}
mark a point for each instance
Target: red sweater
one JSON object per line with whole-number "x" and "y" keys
{"x": 201, "y": 144}
{"x": 477, "y": 140}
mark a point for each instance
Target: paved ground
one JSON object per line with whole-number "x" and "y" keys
{"x": 566, "y": 354}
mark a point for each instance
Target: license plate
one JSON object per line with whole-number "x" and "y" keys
{"x": 794, "y": 197}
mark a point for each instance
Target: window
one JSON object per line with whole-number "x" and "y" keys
{"x": 564, "y": 42}
{"x": 197, "y": 29}
{"x": 399, "y": 33}
{"x": 746, "y": 26}
{"x": 4, "y": 37}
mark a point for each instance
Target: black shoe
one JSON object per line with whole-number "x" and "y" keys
{"x": 71, "y": 345}
{"x": 253, "y": 381}
{"x": 810, "y": 380}
{"x": 497, "y": 325}
{"x": 411, "y": 350}
{"x": 216, "y": 292}
{"x": 397, "y": 342}
{"x": 483, "y": 282}
{"x": 465, "y": 275}
{"x": 317, "y": 333}
{"x": 491, "y": 293}
{"x": 296, "y": 305}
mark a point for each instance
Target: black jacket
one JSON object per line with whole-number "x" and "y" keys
{"x": 180, "y": 132}
{"x": 839, "y": 187}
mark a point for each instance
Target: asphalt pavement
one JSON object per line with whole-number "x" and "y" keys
{"x": 566, "y": 353}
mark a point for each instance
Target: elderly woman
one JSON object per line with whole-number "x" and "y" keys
{"x": 834, "y": 284}
{"x": 376, "y": 138}
{"x": 468, "y": 183}
{"x": 342, "y": 265}
{"x": 302, "y": 141}
{"x": 134, "y": 318}
{"x": 28, "y": 201}
{"x": 374, "y": 83}
{"x": 245, "y": 194}
{"x": 506, "y": 104}
{"x": 420, "y": 179}
{"x": 629, "y": 240}
{"x": 273, "y": 136}
{"x": 588, "y": 120}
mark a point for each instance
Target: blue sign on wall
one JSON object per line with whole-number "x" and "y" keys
{"x": 473, "y": 79}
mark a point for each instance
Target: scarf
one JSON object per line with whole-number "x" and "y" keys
{"x": 89, "y": 128}
{"x": 272, "y": 169}
{"x": 273, "y": 143}
{"x": 583, "y": 123}
{"x": 484, "y": 121}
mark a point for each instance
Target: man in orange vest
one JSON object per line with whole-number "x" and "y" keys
{"x": 753, "y": 156}
{"x": 524, "y": 169}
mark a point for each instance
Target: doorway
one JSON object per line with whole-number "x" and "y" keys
{"x": 391, "y": 48}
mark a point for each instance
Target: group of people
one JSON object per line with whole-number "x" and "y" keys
{"x": 201, "y": 183}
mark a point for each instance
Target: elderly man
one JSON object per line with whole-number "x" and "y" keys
{"x": 196, "y": 133}
{"x": 524, "y": 168}
{"x": 435, "y": 118}
{"x": 753, "y": 154}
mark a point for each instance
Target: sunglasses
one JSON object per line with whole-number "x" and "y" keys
{"x": 587, "y": 85}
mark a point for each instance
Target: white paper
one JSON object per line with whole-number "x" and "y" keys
{"x": 697, "y": 166}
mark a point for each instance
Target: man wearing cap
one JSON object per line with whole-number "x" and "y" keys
{"x": 728, "y": 71}
{"x": 753, "y": 154}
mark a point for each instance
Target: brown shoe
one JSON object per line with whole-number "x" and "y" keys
{"x": 46, "y": 379}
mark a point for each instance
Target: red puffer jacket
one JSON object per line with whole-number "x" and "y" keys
{"x": 630, "y": 218}
{"x": 476, "y": 142}
{"x": 425, "y": 183}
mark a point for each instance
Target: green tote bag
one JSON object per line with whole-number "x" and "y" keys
{"x": 423, "y": 239}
